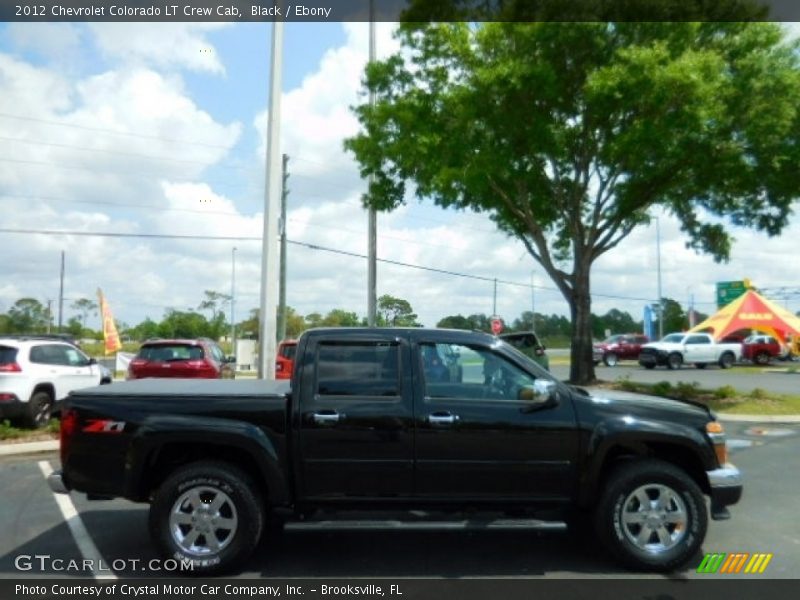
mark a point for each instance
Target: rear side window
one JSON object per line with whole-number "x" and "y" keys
{"x": 47, "y": 354}
{"x": 367, "y": 369}
{"x": 167, "y": 352}
{"x": 8, "y": 355}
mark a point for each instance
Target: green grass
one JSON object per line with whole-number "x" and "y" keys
{"x": 725, "y": 399}
{"x": 12, "y": 432}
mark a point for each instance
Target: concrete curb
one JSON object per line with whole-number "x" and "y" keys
{"x": 28, "y": 448}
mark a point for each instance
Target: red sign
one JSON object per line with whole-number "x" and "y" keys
{"x": 497, "y": 325}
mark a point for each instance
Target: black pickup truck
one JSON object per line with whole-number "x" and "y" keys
{"x": 394, "y": 420}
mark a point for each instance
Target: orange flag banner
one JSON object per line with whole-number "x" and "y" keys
{"x": 110, "y": 335}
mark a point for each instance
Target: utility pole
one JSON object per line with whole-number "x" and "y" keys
{"x": 533, "y": 305}
{"x": 658, "y": 268}
{"x": 61, "y": 294}
{"x": 49, "y": 314}
{"x": 282, "y": 228}
{"x": 269, "y": 258}
{"x": 494, "y": 301}
{"x": 233, "y": 302}
{"x": 372, "y": 235}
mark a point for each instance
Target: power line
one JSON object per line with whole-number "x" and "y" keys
{"x": 305, "y": 245}
{"x": 111, "y": 131}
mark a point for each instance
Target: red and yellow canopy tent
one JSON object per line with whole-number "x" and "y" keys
{"x": 752, "y": 311}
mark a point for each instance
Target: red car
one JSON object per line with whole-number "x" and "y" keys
{"x": 625, "y": 346}
{"x": 202, "y": 359}
{"x": 284, "y": 359}
{"x": 761, "y": 349}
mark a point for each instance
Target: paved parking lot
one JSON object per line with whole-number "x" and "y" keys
{"x": 765, "y": 521}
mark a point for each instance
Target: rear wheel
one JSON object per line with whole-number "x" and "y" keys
{"x": 652, "y": 516}
{"x": 726, "y": 360}
{"x": 674, "y": 361}
{"x": 40, "y": 409}
{"x": 209, "y": 514}
{"x": 610, "y": 359}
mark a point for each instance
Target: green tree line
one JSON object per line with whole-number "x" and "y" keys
{"x": 28, "y": 315}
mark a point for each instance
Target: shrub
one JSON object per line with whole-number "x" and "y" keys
{"x": 687, "y": 391}
{"x": 662, "y": 388}
{"x": 725, "y": 392}
{"x": 758, "y": 394}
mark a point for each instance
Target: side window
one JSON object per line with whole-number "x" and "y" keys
{"x": 697, "y": 339}
{"x": 363, "y": 369}
{"x": 73, "y": 357}
{"x": 49, "y": 354}
{"x": 217, "y": 353}
{"x": 464, "y": 372}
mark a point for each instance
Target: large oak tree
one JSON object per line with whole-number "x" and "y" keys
{"x": 569, "y": 135}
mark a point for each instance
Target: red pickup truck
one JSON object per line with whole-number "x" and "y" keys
{"x": 761, "y": 349}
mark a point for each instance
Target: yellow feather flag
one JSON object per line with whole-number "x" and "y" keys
{"x": 110, "y": 335}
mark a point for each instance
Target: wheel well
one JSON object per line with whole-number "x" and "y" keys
{"x": 171, "y": 456}
{"x": 680, "y": 456}
{"x": 47, "y": 388}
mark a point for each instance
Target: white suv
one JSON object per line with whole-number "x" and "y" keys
{"x": 36, "y": 373}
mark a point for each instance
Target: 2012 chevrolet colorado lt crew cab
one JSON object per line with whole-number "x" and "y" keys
{"x": 398, "y": 419}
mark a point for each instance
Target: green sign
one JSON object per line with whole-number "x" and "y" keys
{"x": 728, "y": 291}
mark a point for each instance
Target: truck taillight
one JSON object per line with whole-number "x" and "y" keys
{"x": 10, "y": 368}
{"x": 69, "y": 425}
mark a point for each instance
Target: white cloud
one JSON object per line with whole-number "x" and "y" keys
{"x": 160, "y": 45}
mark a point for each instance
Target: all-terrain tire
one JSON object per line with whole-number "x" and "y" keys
{"x": 209, "y": 514}
{"x": 651, "y": 516}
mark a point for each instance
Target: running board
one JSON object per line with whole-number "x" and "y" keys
{"x": 445, "y": 525}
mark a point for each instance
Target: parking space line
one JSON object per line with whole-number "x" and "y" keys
{"x": 79, "y": 532}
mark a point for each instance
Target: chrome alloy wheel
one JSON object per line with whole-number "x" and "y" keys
{"x": 203, "y": 521}
{"x": 654, "y": 518}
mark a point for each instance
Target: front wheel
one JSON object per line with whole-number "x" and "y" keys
{"x": 762, "y": 358}
{"x": 610, "y": 359}
{"x": 674, "y": 361}
{"x": 652, "y": 516}
{"x": 207, "y": 514}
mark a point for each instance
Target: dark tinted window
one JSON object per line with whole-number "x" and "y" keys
{"x": 48, "y": 354}
{"x": 166, "y": 352}
{"x": 288, "y": 350}
{"x": 8, "y": 355}
{"x": 358, "y": 369}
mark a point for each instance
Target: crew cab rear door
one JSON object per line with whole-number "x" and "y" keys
{"x": 478, "y": 439}
{"x": 355, "y": 417}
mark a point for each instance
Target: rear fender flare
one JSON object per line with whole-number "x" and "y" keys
{"x": 203, "y": 433}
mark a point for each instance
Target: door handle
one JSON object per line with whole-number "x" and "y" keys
{"x": 327, "y": 417}
{"x": 442, "y": 419}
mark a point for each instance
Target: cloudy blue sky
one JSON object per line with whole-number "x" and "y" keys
{"x": 159, "y": 129}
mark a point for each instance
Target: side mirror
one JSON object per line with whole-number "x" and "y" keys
{"x": 541, "y": 393}
{"x": 230, "y": 359}
{"x": 92, "y": 361}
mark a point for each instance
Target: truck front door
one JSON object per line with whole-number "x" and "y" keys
{"x": 482, "y": 434}
{"x": 355, "y": 418}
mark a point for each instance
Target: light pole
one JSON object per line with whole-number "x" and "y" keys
{"x": 658, "y": 269}
{"x": 233, "y": 300}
